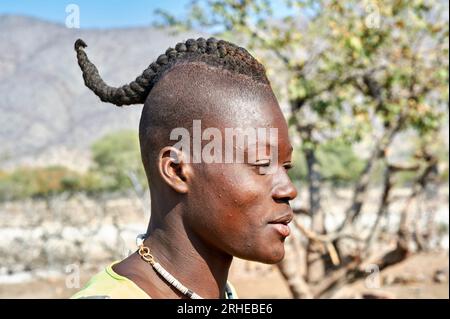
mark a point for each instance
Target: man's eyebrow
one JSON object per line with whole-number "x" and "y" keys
{"x": 247, "y": 146}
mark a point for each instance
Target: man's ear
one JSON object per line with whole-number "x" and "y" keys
{"x": 174, "y": 168}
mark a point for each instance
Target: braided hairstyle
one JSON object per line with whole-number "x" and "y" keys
{"x": 175, "y": 102}
{"x": 217, "y": 53}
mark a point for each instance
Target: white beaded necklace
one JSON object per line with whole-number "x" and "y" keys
{"x": 146, "y": 255}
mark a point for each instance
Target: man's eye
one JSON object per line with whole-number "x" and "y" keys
{"x": 262, "y": 163}
{"x": 288, "y": 166}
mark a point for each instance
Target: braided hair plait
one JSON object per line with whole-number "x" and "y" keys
{"x": 217, "y": 53}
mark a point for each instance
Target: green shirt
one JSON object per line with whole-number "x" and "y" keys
{"x": 109, "y": 284}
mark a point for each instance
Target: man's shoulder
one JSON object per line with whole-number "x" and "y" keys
{"x": 109, "y": 285}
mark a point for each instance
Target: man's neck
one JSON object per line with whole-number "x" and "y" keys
{"x": 196, "y": 265}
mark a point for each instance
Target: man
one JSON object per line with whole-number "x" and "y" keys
{"x": 205, "y": 209}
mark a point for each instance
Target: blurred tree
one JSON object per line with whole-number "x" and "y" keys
{"x": 35, "y": 182}
{"x": 334, "y": 158}
{"x": 118, "y": 161}
{"x": 117, "y": 167}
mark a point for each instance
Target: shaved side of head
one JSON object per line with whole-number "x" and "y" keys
{"x": 193, "y": 91}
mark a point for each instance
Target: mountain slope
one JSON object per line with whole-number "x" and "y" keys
{"x": 45, "y": 105}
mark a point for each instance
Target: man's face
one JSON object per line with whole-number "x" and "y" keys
{"x": 238, "y": 207}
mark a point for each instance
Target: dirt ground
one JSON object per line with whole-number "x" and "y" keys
{"x": 412, "y": 278}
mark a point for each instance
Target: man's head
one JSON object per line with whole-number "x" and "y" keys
{"x": 232, "y": 207}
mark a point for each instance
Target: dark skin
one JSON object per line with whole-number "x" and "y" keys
{"x": 204, "y": 214}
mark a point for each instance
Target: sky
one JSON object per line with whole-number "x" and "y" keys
{"x": 107, "y": 13}
{"x": 98, "y": 13}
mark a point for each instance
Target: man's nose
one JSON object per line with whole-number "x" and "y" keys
{"x": 284, "y": 189}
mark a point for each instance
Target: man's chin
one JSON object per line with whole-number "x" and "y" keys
{"x": 273, "y": 257}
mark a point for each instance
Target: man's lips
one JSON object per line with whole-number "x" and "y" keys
{"x": 284, "y": 219}
{"x": 281, "y": 224}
